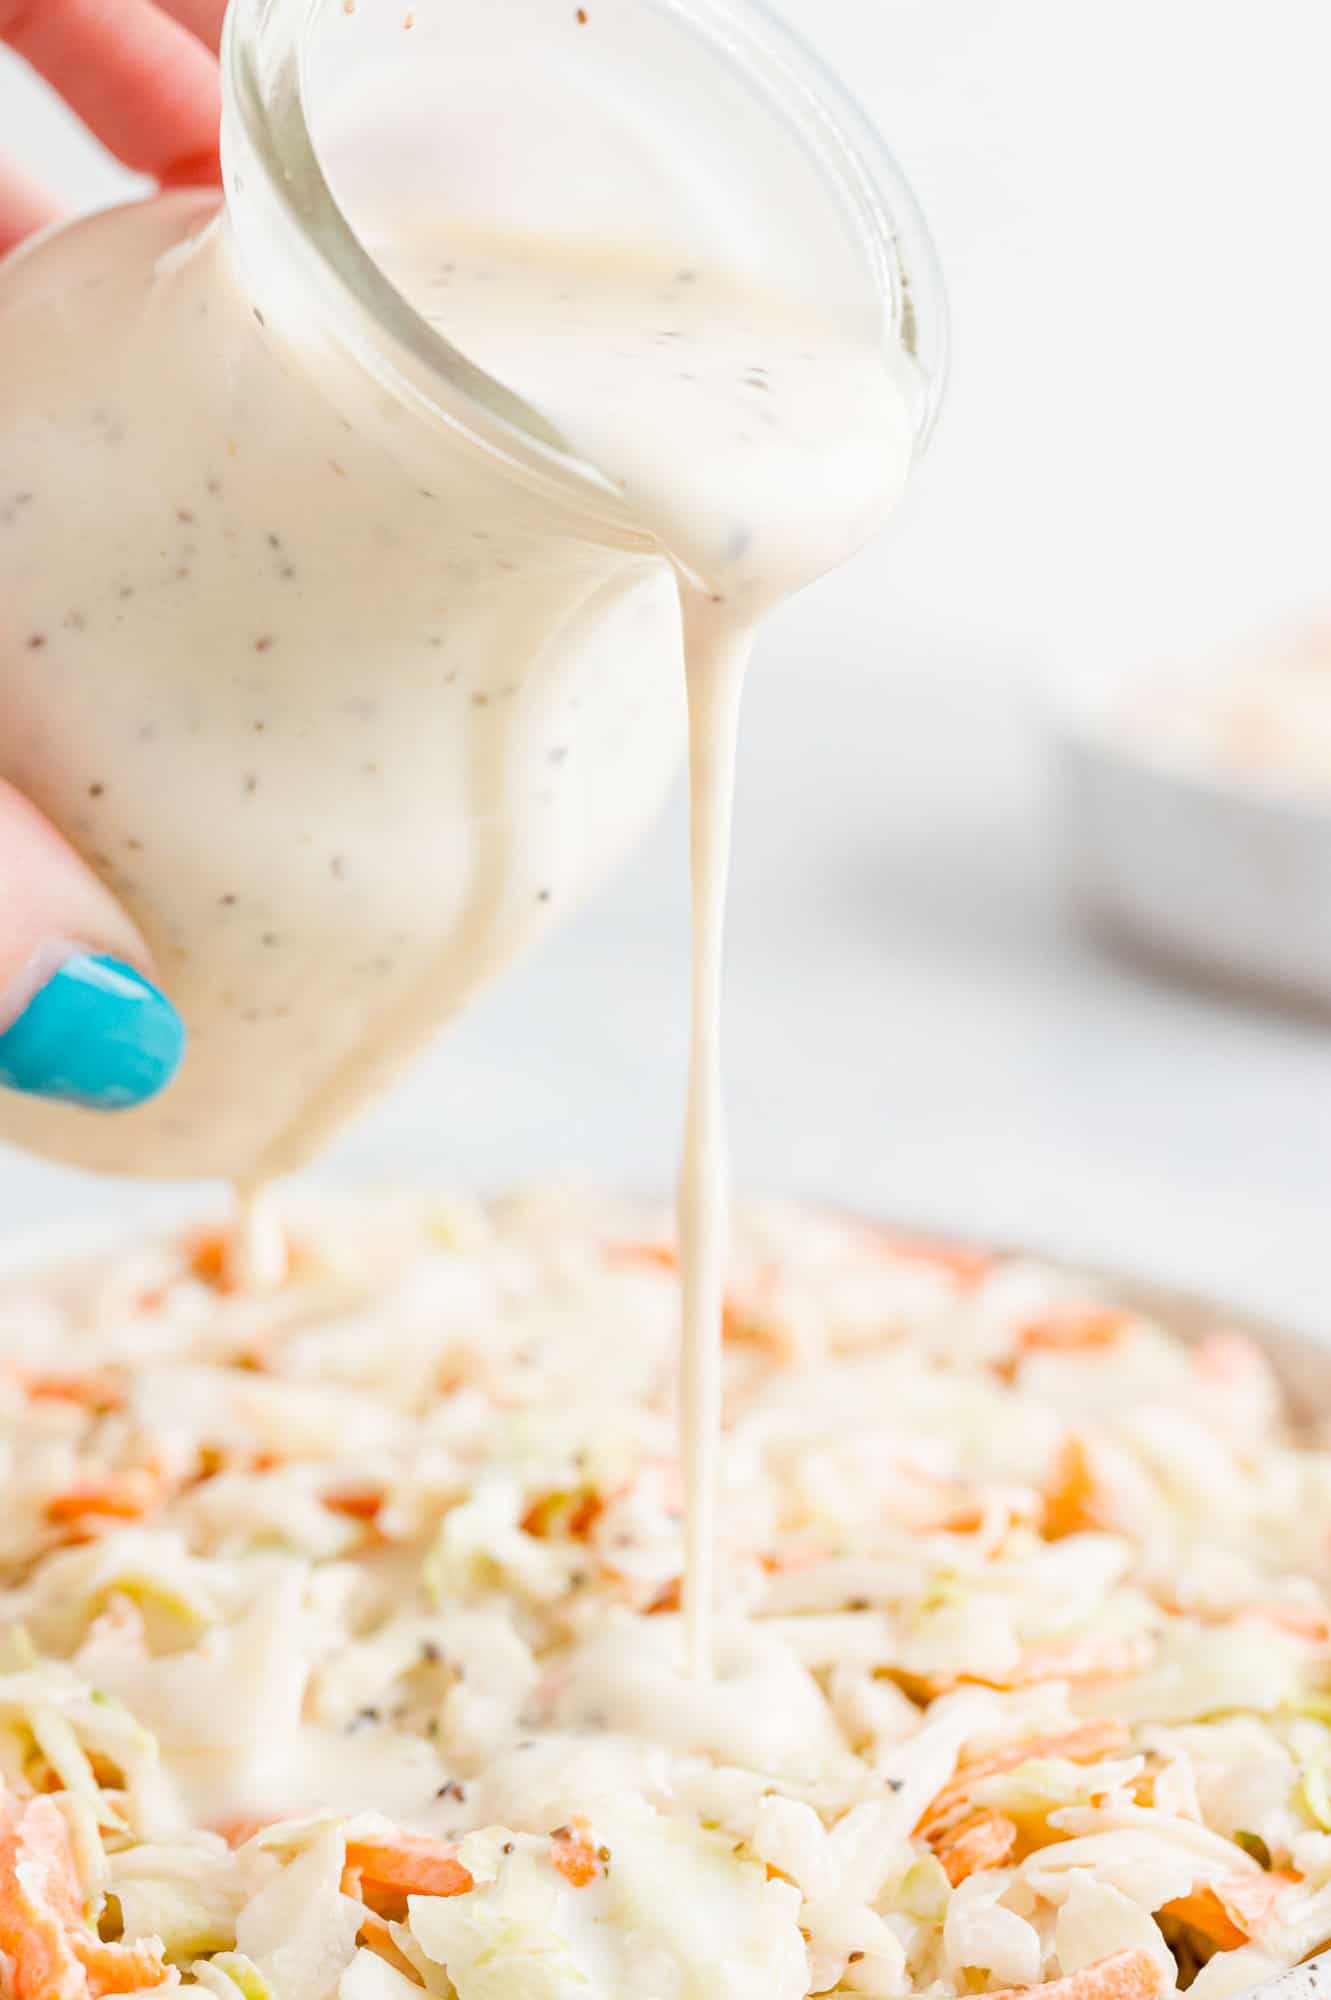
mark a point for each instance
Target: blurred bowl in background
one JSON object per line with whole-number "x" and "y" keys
{"x": 1196, "y": 865}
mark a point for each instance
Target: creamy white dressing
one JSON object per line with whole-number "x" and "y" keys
{"x": 335, "y": 703}
{"x": 716, "y": 662}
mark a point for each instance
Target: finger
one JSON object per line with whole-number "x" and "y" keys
{"x": 203, "y": 18}
{"x": 137, "y": 78}
{"x": 23, "y": 208}
{"x": 80, "y": 1020}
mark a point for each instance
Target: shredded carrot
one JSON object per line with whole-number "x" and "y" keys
{"x": 38, "y": 1904}
{"x": 385, "y": 1872}
{"x": 1073, "y": 1329}
{"x": 1142, "y": 1789}
{"x": 542, "y": 1515}
{"x": 122, "y": 1968}
{"x": 1233, "y": 1912}
{"x": 210, "y": 1258}
{"x": 749, "y": 1317}
{"x": 781, "y": 1562}
{"x": 376, "y": 1936}
{"x": 983, "y": 1840}
{"x": 668, "y": 1598}
{"x": 965, "y": 1263}
{"x": 1077, "y": 1495}
{"x": 54, "y": 1954}
{"x": 1075, "y": 1746}
{"x": 120, "y": 1496}
{"x": 642, "y": 1256}
{"x": 358, "y": 1503}
{"x": 587, "y": 1512}
{"x": 96, "y": 1389}
{"x": 1106, "y": 1656}
{"x": 211, "y": 1254}
{"x": 574, "y": 1856}
{"x": 1124, "y": 1975}
{"x": 574, "y": 1514}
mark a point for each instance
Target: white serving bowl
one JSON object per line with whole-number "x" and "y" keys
{"x": 1227, "y": 877}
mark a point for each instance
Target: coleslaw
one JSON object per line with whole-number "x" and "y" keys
{"x": 340, "y": 1648}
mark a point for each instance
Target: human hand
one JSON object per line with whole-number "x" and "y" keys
{"x": 142, "y": 77}
{"x": 80, "y": 1018}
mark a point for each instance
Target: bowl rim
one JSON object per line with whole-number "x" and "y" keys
{"x": 1086, "y": 731}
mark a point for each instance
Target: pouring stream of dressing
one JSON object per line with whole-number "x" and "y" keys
{"x": 717, "y": 659}
{"x": 759, "y": 441}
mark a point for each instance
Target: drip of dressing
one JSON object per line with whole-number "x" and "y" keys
{"x": 717, "y": 659}
{"x": 257, "y": 1254}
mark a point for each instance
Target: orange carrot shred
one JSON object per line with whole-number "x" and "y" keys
{"x": 642, "y": 1256}
{"x": 1085, "y": 1745}
{"x": 1076, "y": 1493}
{"x": 54, "y": 1954}
{"x": 751, "y": 1315}
{"x": 122, "y": 1968}
{"x": 357, "y": 1503}
{"x": 210, "y": 1258}
{"x": 983, "y": 1840}
{"x": 1124, "y": 1975}
{"x": 586, "y": 1513}
{"x": 376, "y": 1936}
{"x": 1231, "y": 1913}
{"x": 96, "y": 1389}
{"x": 1099, "y": 1657}
{"x": 968, "y": 1265}
{"x": 1096, "y": 1657}
{"x": 407, "y": 1864}
{"x": 1073, "y": 1330}
{"x": 573, "y": 1514}
{"x": 120, "y": 1496}
{"x": 573, "y": 1854}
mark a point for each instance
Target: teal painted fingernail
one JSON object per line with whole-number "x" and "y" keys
{"x": 98, "y": 1033}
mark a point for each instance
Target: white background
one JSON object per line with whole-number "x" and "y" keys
{"x": 1131, "y": 206}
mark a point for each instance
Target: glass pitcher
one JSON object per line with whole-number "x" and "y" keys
{"x": 320, "y": 644}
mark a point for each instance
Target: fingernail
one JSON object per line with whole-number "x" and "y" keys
{"x": 97, "y": 1033}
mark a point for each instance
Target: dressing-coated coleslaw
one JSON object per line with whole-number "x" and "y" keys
{"x": 341, "y": 1655}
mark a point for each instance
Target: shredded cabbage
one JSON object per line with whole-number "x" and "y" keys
{"x": 342, "y": 1623}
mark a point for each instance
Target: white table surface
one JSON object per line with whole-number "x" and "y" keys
{"x": 1130, "y": 205}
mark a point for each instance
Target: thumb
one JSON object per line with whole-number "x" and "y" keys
{"x": 81, "y": 1020}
